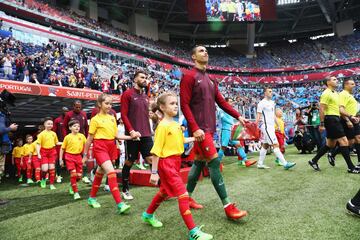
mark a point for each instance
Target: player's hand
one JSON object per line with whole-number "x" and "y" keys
{"x": 13, "y": 127}
{"x": 39, "y": 156}
{"x": 61, "y": 162}
{"x": 199, "y": 135}
{"x": 154, "y": 178}
{"x": 85, "y": 158}
{"x": 135, "y": 134}
{"x": 321, "y": 128}
{"x": 242, "y": 120}
{"x": 349, "y": 124}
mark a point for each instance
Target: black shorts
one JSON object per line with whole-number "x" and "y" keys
{"x": 133, "y": 148}
{"x": 349, "y": 132}
{"x": 357, "y": 129}
{"x": 333, "y": 126}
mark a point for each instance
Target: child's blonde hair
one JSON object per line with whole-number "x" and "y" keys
{"x": 161, "y": 100}
{"x": 101, "y": 98}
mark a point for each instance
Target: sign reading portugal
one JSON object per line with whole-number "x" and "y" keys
{"x": 52, "y": 91}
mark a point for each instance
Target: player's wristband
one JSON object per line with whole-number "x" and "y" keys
{"x": 154, "y": 172}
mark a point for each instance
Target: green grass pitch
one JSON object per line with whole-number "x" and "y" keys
{"x": 295, "y": 204}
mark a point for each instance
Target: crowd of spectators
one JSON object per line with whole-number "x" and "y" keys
{"x": 282, "y": 54}
{"x": 62, "y": 65}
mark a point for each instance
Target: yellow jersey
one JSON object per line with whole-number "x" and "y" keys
{"x": 348, "y": 102}
{"x": 169, "y": 140}
{"x": 47, "y": 139}
{"x": 223, "y": 7}
{"x": 232, "y": 7}
{"x": 74, "y": 143}
{"x": 103, "y": 126}
{"x": 331, "y": 100}
{"x": 27, "y": 149}
{"x": 280, "y": 125}
{"x": 18, "y": 152}
{"x": 33, "y": 148}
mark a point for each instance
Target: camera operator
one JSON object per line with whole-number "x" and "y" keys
{"x": 5, "y": 128}
{"x": 313, "y": 114}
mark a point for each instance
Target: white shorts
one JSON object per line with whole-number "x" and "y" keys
{"x": 268, "y": 135}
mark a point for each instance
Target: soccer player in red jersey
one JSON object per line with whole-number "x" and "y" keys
{"x": 198, "y": 95}
{"x": 135, "y": 115}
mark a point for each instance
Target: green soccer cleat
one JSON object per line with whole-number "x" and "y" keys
{"x": 20, "y": 179}
{"x": 197, "y": 234}
{"x": 150, "y": 218}
{"x": 123, "y": 208}
{"x": 278, "y": 163}
{"x": 52, "y": 187}
{"x": 93, "y": 203}
{"x": 77, "y": 196}
{"x": 86, "y": 180}
{"x": 29, "y": 181}
{"x": 71, "y": 191}
{"x": 289, "y": 165}
{"x": 43, "y": 183}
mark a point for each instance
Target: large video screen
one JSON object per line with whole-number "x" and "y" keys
{"x": 233, "y": 10}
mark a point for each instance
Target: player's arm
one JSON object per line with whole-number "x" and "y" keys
{"x": 37, "y": 146}
{"x": 125, "y": 102}
{"x": 61, "y": 155}
{"x": 323, "y": 108}
{"x": 258, "y": 117}
{"x": 86, "y": 125}
{"x": 186, "y": 86}
{"x": 259, "y": 110}
{"x": 189, "y": 139}
{"x": 154, "y": 177}
{"x": 120, "y": 137}
{"x": 344, "y": 114}
{"x": 89, "y": 140}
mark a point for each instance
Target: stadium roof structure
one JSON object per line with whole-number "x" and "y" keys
{"x": 295, "y": 19}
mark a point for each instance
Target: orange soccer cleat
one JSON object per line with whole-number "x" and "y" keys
{"x": 232, "y": 212}
{"x": 194, "y": 205}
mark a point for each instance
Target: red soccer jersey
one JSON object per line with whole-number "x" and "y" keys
{"x": 198, "y": 94}
{"x": 135, "y": 112}
{"x": 81, "y": 117}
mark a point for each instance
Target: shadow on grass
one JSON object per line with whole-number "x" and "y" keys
{"x": 25, "y": 205}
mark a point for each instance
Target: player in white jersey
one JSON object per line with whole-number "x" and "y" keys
{"x": 266, "y": 118}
